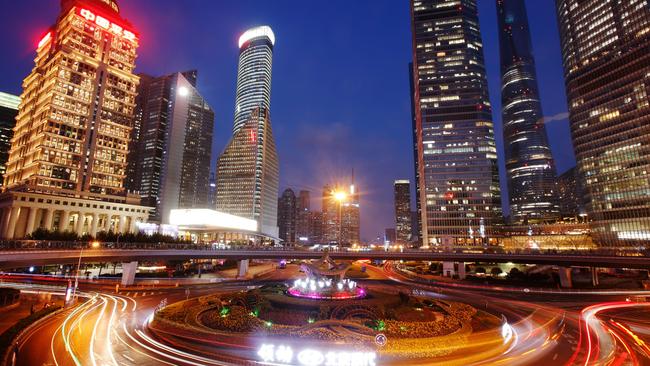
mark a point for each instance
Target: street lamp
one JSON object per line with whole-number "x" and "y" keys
{"x": 94, "y": 245}
{"x": 340, "y": 196}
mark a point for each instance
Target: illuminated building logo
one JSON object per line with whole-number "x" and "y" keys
{"x": 284, "y": 355}
{"x": 106, "y": 24}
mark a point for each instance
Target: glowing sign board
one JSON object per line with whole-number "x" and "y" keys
{"x": 284, "y": 355}
{"x": 45, "y": 39}
{"x": 106, "y": 24}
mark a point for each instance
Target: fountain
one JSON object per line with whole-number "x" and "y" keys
{"x": 325, "y": 281}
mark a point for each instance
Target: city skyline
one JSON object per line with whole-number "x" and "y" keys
{"x": 305, "y": 121}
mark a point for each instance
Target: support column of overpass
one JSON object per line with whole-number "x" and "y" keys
{"x": 565, "y": 277}
{"x": 594, "y": 276}
{"x": 242, "y": 268}
{"x": 128, "y": 273}
{"x": 449, "y": 269}
{"x": 461, "y": 271}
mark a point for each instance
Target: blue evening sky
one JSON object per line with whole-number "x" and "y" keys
{"x": 340, "y": 93}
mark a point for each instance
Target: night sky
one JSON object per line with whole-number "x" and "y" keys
{"x": 340, "y": 91}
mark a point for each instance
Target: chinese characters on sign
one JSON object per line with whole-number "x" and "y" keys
{"x": 311, "y": 357}
{"x": 106, "y": 24}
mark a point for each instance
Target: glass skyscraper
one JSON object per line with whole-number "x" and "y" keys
{"x": 248, "y": 176}
{"x": 459, "y": 190}
{"x": 254, "y": 73}
{"x": 8, "y": 112}
{"x": 172, "y": 143}
{"x": 402, "y": 197}
{"x": 606, "y": 58}
{"x": 529, "y": 164}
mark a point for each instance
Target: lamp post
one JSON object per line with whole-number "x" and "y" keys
{"x": 94, "y": 245}
{"x": 340, "y": 197}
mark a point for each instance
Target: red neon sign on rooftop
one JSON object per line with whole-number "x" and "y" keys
{"x": 106, "y": 24}
{"x": 46, "y": 38}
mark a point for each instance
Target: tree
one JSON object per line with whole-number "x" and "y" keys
{"x": 495, "y": 271}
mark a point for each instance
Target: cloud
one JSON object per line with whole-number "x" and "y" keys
{"x": 557, "y": 117}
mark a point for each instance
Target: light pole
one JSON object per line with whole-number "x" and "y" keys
{"x": 340, "y": 197}
{"x": 94, "y": 245}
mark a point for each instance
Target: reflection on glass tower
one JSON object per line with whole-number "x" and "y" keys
{"x": 529, "y": 163}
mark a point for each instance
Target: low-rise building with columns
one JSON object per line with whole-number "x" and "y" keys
{"x": 21, "y": 213}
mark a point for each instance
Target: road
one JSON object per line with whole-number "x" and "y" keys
{"x": 575, "y": 329}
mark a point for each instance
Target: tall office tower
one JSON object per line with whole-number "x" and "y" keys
{"x": 416, "y": 223}
{"x": 67, "y": 161}
{"x": 172, "y": 144}
{"x": 571, "y": 194}
{"x": 402, "y": 192}
{"x": 248, "y": 174}
{"x": 341, "y": 214}
{"x": 529, "y": 163}
{"x": 456, "y": 159}
{"x": 303, "y": 213}
{"x": 316, "y": 228}
{"x": 254, "y": 73}
{"x": 351, "y": 216}
{"x": 606, "y": 58}
{"x": 330, "y": 210}
{"x": 212, "y": 191}
{"x": 390, "y": 235}
{"x": 8, "y": 112}
{"x": 287, "y": 216}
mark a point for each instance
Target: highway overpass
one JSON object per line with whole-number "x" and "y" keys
{"x": 31, "y": 257}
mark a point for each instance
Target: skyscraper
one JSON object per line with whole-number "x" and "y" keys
{"x": 8, "y": 112}
{"x": 456, "y": 157}
{"x": 68, "y": 155}
{"x": 248, "y": 174}
{"x": 303, "y": 216}
{"x": 606, "y": 59}
{"x": 529, "y": 164}
{"x": 402, "y": 196}
{"x": 254, "y": 73}
{"x": 172, "y": 140}
{"x": 341, "y": 214}
{"x": 571, "y": 193}
{"x": 287, "y": 216}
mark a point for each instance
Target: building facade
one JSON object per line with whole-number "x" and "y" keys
{"x": 572, "y": 197}
{"x": 402, "y": 201}
{"x": 530, "y": 168}
{"x": 253, "y": 73}
{"x": 606, "y": 59}
{"x": 341, "y": 214}
{"x": 172, "y": 143}
{"x": 248, "y": 174}
{"x": 8, "y": 111}
{"x": 67, "y": 164}
{"x": 456, "y": 153}
{"x": 287, "y": 212}
{"x": 303, "y": 214}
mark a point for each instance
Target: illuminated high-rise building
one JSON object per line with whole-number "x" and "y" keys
{"x": 606, "y": 59}
{"x": 287, "y": 216}
{"x": 303, "y": 216}
{"x": 402, "y": 196}
{"x": 8, "y": 112}
{"x": 456, "y": 162}
{"x": 248, "y": 174}
{"x": 341, "y": 214}
{"x": 67, "y": 165}
{"x": 530, "y": 166}
{"x": 253, "y": 73}
{"x": 172, "y": 143}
